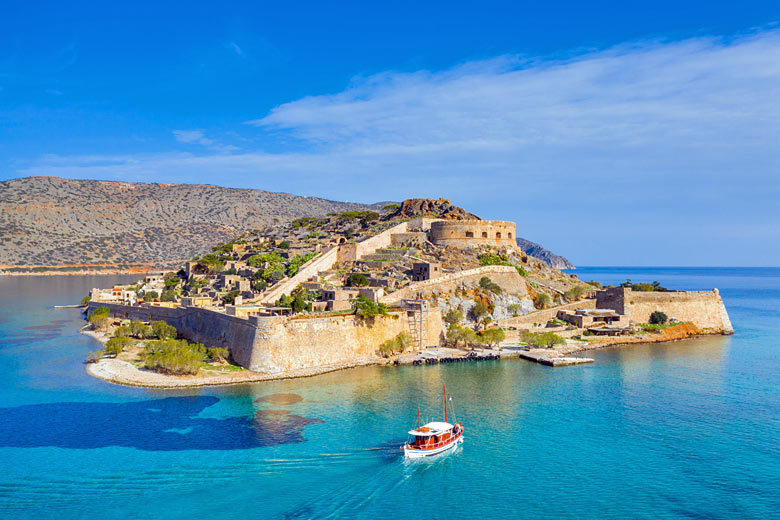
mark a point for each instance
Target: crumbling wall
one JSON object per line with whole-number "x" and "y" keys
{"x": 310, "y": 269}
{"x": 505, "y": 276}
{"x": 545, "y": 315}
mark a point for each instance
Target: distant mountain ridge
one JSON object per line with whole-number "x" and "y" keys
{"x": 548, "y": 257}
{"x": 49, "y": 221}
{"x": 53, "y": 221}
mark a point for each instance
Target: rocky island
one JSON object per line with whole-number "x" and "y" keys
{"x": 418, "y": 282}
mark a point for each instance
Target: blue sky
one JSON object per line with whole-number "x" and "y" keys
{"x": 632, "y": 134}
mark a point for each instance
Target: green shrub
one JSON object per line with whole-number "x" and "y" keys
{"x": 273, "y": 275}
{"x": 140, "y": 330}
{"x": 357, "y": 280}
{"x": 218, "y": 354}
{"x": 457, "y": 334}
{"x": 492, "y": 337}
{"x": 644, "y": 287}
{"x": 115, "y": 346}
{"x": 544, "y": 339}
{"x": 174, "y": 356}
{"x": 488, "y": 284}
{"x": 230, "y": 298}
{"x": 100, "y": 311}
{"x": 363, "y": 216}
{"x": 168, "y": 295}
{"x": 98, "y": 318}
{"x": 172, "y": 282}
{"x": 86, "y": 299}
{"x": 515, "y": 309}
{"x": 265, "y": 260}
{"x": 500, "y": 259}
{"x": 260, "y": 285}
{"x": 658, "y": 318}
{"x": 151, "y": 295}
{"x": 295, "y": 263}
{"x": 367, "y": 309}
{"x": 541, "y": 301}
{"x": 162, "y": 330}
{"x": 453, "y": 316}
{"x": 397, "y": 344}
{"x": 479, "y": 311}
{"x": 123, "y": 331}
{"x": 284, "y": 245}
{"x": 298, "y": 304}
{"x": 575, "y": 293}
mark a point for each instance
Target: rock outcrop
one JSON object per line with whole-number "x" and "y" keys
{"x": 441, "y": 208}
{"x": 537, "y": 251}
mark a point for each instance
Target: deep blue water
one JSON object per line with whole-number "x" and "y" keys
{"x": 681, "y": 430}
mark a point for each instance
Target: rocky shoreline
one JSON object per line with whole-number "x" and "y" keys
{"x": 125, "y": 373}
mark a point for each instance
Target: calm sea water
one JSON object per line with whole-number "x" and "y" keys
{"x": 680, "y": 430}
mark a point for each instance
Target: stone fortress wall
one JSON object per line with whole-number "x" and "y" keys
{"x": 341, "y": 253}
{"x": 472, "y": 233}
{"x": 276, "y": 345}
{"x": 293, "y": 344}
{"x": 356, "y": 250}
{"x": 505, "y": 276}
{"x": 213, "y": 329}
{"x": 705, "y": 309}
{"x": 279, "y": 345}
{"x": 310, "y": 269}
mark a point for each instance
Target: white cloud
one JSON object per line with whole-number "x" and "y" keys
{"x": 678, "y": 136}
{"x": 199, "y": 137}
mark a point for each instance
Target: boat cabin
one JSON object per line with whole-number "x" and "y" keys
{"x": 430, "y": 436}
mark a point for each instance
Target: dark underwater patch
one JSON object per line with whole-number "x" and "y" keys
{"x": 281, "y": 427}
{"x": 167, "y": 424}
{"x": 55, "y": 325}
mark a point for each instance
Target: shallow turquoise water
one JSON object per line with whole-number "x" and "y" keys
{"x": 680, "y": 430}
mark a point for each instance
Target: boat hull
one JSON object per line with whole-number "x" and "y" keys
{"x": 411, "y": 453}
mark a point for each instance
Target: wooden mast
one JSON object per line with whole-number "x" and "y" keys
{"x": 445, "y": 402}
{"x": 418, "y": 417}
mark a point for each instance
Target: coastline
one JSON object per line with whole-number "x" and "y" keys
{"x": 122, "y": 372}
{"x": 90, "y": 272}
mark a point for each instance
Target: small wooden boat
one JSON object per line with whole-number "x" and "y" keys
{"x": 433, "y": 437}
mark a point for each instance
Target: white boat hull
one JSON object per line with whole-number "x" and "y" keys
{"x": 411, "y": 453}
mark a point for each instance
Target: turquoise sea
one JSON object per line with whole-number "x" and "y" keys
{"x": 680, "y": 430}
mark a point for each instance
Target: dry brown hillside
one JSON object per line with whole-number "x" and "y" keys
{"x": 48, "y": 220}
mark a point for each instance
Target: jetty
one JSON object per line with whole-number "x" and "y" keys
{"x": 442, "y": 355}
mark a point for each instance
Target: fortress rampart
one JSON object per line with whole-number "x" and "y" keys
{"x": 472, "y": 233}
{"x": 342, "y": 253}
{"x": 705, "y": 309}
{"x": 276, "y": 345}
{"x": 354, "y": 251}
